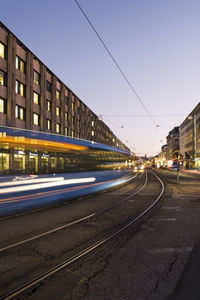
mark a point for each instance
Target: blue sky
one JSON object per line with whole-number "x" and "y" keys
{"x": 156, "y": 43}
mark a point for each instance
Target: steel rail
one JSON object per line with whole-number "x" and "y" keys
{"x": 84, "y": 252}
{"x": 74, "y": 222}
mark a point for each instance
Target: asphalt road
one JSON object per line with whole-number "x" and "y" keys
{"x": 151, "y": 260}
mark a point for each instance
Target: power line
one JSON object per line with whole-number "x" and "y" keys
{"x": 116, "y": 63}
{"x": 134, "y": 115}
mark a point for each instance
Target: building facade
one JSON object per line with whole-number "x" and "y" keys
{"x": 33, "y": 98}
{"x": 190, "y": 139}
{"x": 172, "y": 151}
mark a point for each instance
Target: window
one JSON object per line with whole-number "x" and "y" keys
{"x": 57, "y": 128}
{"x": 72, "y": 105}
{"x": 20, "y": 112}
{"x": 72, "y": 133}
{"x": 36, "y": 98}
{"x": 66, "y": 116}
{"x": 58, "y": 95}
{"x": 92, "y": 132}
{"x": 36, "y": 119}
{"x": 57, "y": 111}
{"x": 2, "y": 106}
{"x": 66, "y": 131}
{"x": 48, "y": 86}
{"x": 3, "y": 51}
{"x": 3, "y": 78}
{"x": 20, "y": 88}
{"x": 36, "y": 77}
{"x": 20, "y": 65}
{"x": 92, "y": 123}
{"x": 72, "y": 120}
{"x": 66, "y": 100}
{"x": 48, "y": 124}
{"x": 49, "y": 106}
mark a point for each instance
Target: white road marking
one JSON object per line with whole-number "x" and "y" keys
{"x": 148, "y": 227}
{"x": 170, "y": 250}
{"x": 177, "y": 196}
{"x": 164, "y": 220}
{"x": 118, "y": 193}
{"x": 177, "y": 208}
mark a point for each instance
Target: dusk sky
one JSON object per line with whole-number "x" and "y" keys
{"x": 155, "y": 42}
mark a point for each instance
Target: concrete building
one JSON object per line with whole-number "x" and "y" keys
{"x": 173, "y": 144}
{"x": 33, "y": 98}
{"x": 190, "y": 139}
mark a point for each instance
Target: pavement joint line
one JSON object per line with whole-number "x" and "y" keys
{"x": 170, "y": 250}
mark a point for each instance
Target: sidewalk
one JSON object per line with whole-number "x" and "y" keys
{"x": 188, "y": 287}
{"x": 191, "y": 171}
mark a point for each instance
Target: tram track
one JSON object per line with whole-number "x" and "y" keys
{"x": 88, "y": 249}
{"x": 101, "y": 211}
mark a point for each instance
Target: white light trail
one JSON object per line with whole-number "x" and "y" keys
{"x": 27, "y": 181}
{"x": 46, "y": 185}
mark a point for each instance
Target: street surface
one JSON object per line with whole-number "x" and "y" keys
{"x": 148, "y": 260}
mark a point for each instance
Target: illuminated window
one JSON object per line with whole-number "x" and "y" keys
{"x": 36, "y": 98}
{"x": 57, "y": 111}
{"x": 48, "y": 105}
{"x": 66, "y": 131}
{"x": 20, "y": 64}
{"x": 48, "y": 124}
{"x": 3, "y": 78}
{"x": 57, "y": 128}
{"x": 36, "y": 119}
{"x": 20, "y": 112}
{"x": 92, "y": 132}
{"x": 2, "y": 106}
{"x": 58, "y": 95}
{"x": 72, "y": 105}
{"x": 66, "y": 116}
{"x": 2, "y": 50}
{"x": 72, "y": 133}
{"x": 20, "y": 88}
{"x": 36, "y": 77}
{"x": 92, "y": 123}
{"x": 48, "y": 86}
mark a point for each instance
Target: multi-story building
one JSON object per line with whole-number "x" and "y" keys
{"x": 33, "y": 98}
{"x": 190, "y": 138}
{"x": 173, "y": 144}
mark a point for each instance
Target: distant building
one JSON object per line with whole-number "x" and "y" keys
{"x": 190, "y": 139}
{"x": 172, "y": 151}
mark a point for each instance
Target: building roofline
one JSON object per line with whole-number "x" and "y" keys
{"x": 4, "y": 27}
{"x": 192, "y": 112}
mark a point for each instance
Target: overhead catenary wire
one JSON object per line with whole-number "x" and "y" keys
{"x": 117, "y": 64}
{"x": 138, "y": 116}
